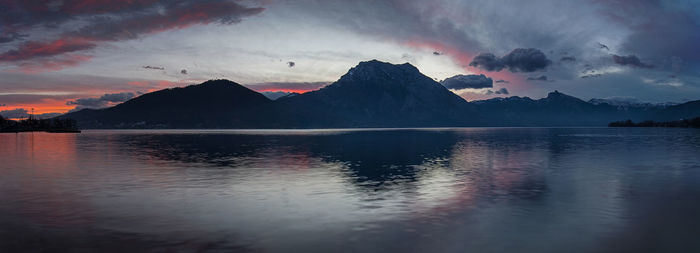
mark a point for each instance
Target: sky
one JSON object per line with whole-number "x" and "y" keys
{"x": 63, "y": 55}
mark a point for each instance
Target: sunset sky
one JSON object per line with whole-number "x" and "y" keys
{"x": 59, "y": 55}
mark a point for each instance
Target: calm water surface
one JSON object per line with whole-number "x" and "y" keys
{"x": 420, "y": 190}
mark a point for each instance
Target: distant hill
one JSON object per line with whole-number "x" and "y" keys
{"x": 557, "y": 109}
{"x": 212, "y": 104}
{"x": 677, "y": 112}
{"x": 625, "y": 102}
{"x": 274, "y": 95}
{"x": 371, "y": 94}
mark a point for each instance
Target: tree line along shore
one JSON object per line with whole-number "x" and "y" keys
{"x": 688, "y": 123}
{"x": 54, "y": 125}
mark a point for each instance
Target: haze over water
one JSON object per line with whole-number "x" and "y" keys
{"x": 413, "y": 190}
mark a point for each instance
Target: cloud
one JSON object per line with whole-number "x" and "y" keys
{"x": 51, "y": 64}
{"x": 488, "y": 62}
{"x": 153, "y": 67}
{"x": 518, "y": 60}
{"x": 459, "y": 82}
{"x": 88, "y": 85}
{"x": 630, "y": 60}
{"x": 568, "y": 58}
{"x": 117, "y": 97}
{"x": 539, "y": 78}
{"x": 291, "y": 64}
{"x": 38, "y": 49}
{"x": 501, "y": 91}
{"x": 525, "y": 60}
{"x": 671, "y": 81}
{"x": 88, "y": 103}
{"x": 184, "y": 72}
{"x": 10, "y": 37}
{"x": 107, "y": 21}
{"x": 591, "y": 75}
{"x": 502, "y": 81}
{"x": 658, "y": 29}
{"x": 101, "y": 102}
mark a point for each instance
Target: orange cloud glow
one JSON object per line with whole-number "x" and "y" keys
{"x": 285, "y": 90}
{"x": 46, "y": 105}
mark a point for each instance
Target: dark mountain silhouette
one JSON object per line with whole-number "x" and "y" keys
{"x": 212, "y": 104}
{"x": 557, "y": 109}
{"x": 372, "y": 94}
{"x": 677, "y": 112}
{"x": 379, "y": 94}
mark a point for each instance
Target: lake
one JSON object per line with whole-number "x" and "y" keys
{"x": 369, "y": 190}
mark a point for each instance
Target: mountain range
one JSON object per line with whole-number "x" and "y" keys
{"x": 371, "y": 94}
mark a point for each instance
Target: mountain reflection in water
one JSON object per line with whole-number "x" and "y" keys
{"x": 416, "y": 190}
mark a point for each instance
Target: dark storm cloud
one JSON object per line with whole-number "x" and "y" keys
{"x": 153, "y": 67}
{"x": 631, "y": 60}
{"x": 6, "y": 37}
{"x": 525, "y": 60}
{"x": 518, "y": 60}
{"x": 20, "y": 14}
{"x": 108, "y": 21}
{"x": 501, "y": 91}
{"x": 488, "y": 62}
{"x": 459, "y": 82}
{"x": 539, "y": 78}
{"x": 117, "y": 97}
{"x": 103, "y": 101}
{"x": 88, "y": 102}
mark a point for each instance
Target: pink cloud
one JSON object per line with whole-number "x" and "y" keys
{"x": 144, "y": 19}
{"x": 53, "y": 63}
{"x": 35, "y": 49}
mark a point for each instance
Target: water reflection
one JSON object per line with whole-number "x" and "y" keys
{"x": 529, "y": 189}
